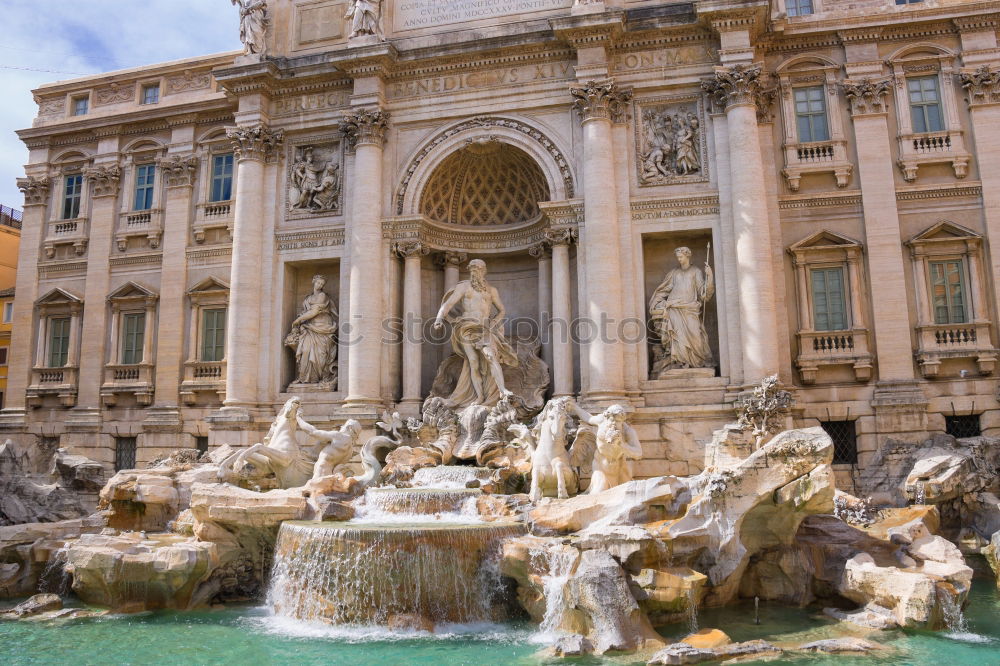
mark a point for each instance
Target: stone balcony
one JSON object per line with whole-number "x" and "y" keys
{"x": 59, "y": 382}
{"x": 146, "y": 224}
{"x": 203, "y": 377}
{"x": 817, "y": 157}
{"x": 830, "y": 348}
{"x": 940, "y": 342}
{"x": 945, "y": 147}
{"x": 128, "y": 379}
{"x": 215, "y": 215}
{"x": 66, "y": 232}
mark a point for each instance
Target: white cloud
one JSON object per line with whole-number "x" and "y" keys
{"x": 69, "y": 38}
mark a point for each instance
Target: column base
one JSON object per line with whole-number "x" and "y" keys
{"x": 162, "y": 419}
{"x": 409, "y": 406}
{"x": 363, "y": 409}
{"x": 900, "y": 411}
{"x": 604, "y": 399}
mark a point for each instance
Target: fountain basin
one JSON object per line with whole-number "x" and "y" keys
{"x": 370, "y": 573}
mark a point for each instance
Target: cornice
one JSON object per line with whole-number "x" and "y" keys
{"x": 521, "y": 56}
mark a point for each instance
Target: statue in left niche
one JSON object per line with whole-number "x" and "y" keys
{"x": 312, "y": 187}
{"x": 314, "y": 338}
{"x": 253, "y": 25}
{"x": 366, "y": 18}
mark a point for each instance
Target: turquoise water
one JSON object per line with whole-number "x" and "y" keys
{"x": 250, "y": 636}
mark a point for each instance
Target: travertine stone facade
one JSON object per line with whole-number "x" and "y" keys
{"x": 831, "y": 169}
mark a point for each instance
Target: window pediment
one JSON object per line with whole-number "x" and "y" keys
{"x": 825, "y": 245}
{"x": 132, "y": 291}
{"x": 944, "y": 238}
{"x": 59, "y": 296}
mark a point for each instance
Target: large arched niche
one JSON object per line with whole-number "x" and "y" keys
{"x": 485, "y": 183}
{"x": 536, "y": 144}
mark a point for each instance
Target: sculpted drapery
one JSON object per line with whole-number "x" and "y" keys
{"x": 253, "y": 24}
{"x": 313, "y": 337}
{"x": 365, "y": 16}
{"x": 676, "y": 309}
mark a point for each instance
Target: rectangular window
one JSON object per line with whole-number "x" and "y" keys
{"x": 8, "y": 313}
{"x": 213, "y": 335}
{"x": 908, "y": 2}
{"x": 80, "y": 106}
{"x": 151, "y": 93}
{"x": 1, "y": 399}
{"x": 799, "y": 7}
{"x": 845, "y": 441}
{"x": 948, "y": 291}
{"x": 962, "y": 425}
{"x": 72, "y": 194}
{"x": 124, "y": 453}
{"x": 810, "y": 114}
{"x": 134, "y": 331}
{"x": 145, "y": 176}
{"x": 201, "y": 443}
{"x": 3, "y": 355}
{"x": 829, "y": 301}
{"x": 925, "y": 104}
{"x": 58, "y": 341}
{"x": 222, "y": 178}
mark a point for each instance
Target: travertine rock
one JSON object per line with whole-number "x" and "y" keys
{"x": 44, "y": 489}
{"x": 992, "y": 554}
{"x": 666, "y": 594}
{"x": 707, "y": 639}
{"x": 40, "y": 603}
{"x": 839, "y": 645}
{"x": 25, "y": 551}
{"x": 682, "y": 653}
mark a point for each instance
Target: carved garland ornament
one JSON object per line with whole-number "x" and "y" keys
{"x": 484, "y": 122}
{"x": 365, "y": 127}
{"x": 255, "y": 143}
{"x": 867, "y": 96}
{"x": 36, "y": 190}
{"x": 982, "y": 86}
{"x": 601, "y": 99}
{"x": 178, "y": 170}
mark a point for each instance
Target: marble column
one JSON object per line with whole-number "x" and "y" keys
{"x": 562, "y": 315}
{"x": 893, "y": 343}
{"x": 93, "y": 341}
{"x": 366, "y": 129}
{"x": 178, "y": 172}
{"x": 737, "y": 89}
{"x": 452, "y": 262}
{"x": 412, "y": 253}
{"x": 982, "y": 87}
{"x": 543, "y": 253}
{"x": 253, "y": 147}
{"x": 33, "y": 229}
{"x": 601, "y": 242}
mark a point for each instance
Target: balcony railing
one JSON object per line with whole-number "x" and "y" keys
{"x": 203, "y": 377}
{"x": 814, "y": 158}
{"x": 140, "y": 223}
{"x": 122, "y": 379}
{"x": 65, "y": 232}
{"x": 933, "y": 148}
{"x": 831, "y": 348}
{"x": 10, "y": 217}
{"x": 57, "y": 382}
{"x": 940, "y": 342}
{"x": 214, "y": 215}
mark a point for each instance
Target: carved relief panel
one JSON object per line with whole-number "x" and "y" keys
{"x": 670, "y": 140}
{"x": 315, "y": 177}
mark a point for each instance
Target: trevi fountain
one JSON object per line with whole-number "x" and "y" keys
{"x": 475, "y": 494}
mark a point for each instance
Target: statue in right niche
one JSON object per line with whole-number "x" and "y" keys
{"x": 313, "y": 338}
{"x": 677, "y": 312}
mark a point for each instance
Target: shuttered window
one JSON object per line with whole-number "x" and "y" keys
{"x": 134, "y": 331}
{"x": 948, "y": 291}
{"x": 829, "y": 301}
{"x": 213, "y": 338}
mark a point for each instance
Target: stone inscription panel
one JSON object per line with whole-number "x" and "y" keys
{"x": 421, "y": 14}
{"x": 487, "y": 78}
{"x": 294, "y": 104}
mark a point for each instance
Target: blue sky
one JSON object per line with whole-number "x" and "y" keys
{"x": 71, "y": 38}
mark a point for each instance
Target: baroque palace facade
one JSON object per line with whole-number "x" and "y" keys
{"x": 831, "y": 166}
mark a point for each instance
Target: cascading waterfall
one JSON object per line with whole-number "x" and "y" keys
{"x": 421, "y": 555}
{"x": 559, "y": 563}
{"x": 921, "y": 495}
{"x": 951, "y": 610}
{"x": 692, "y": 609}
{"x": 345, "y": 573}
{"x": 54, "y": 577}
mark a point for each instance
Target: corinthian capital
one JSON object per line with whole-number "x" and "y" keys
{"x": 735, "y": 86}
{"x": 258, "y": 142}
{"x": 982, "y": 86}
{"x": 106, "y": 180}
{"x": 563, "y": 236}
{"x": 178, "y": 170}
{"x": 365, "y": 126}
{"x": 867, "y": 96}
{"x": 36, "y": 190}
{"x": 451, "y": 258}
{"x": 601, "y": 99}
{"x": 410, "y": 248}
